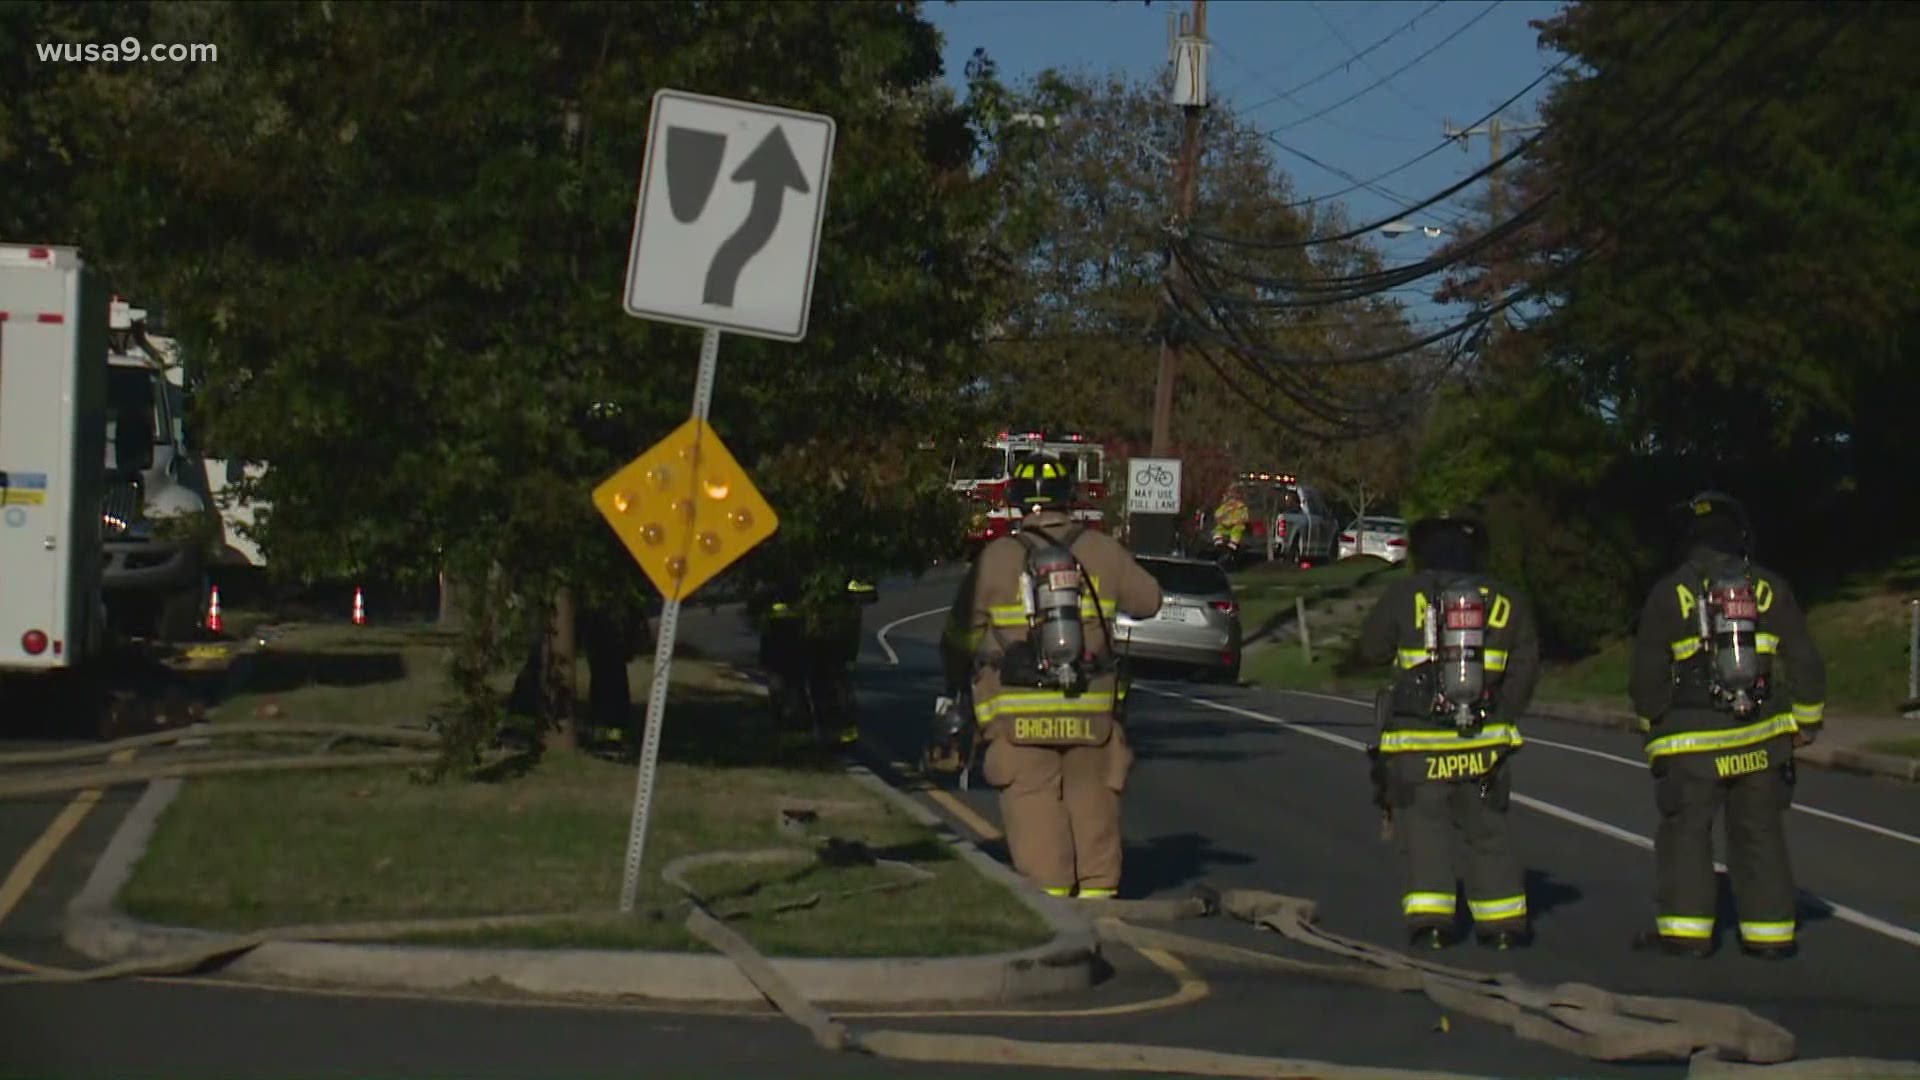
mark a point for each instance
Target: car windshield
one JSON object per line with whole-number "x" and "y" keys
{"x": 1187, "y": 579}
{"x": 986, "y": 465}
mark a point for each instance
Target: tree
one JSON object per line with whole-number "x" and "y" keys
{"x": 394, "y": 236}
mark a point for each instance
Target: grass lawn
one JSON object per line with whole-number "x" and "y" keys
{"x": 1267, "y": 591}
{"x": 1903, "y": 747}
{"x": 355, "y": 845}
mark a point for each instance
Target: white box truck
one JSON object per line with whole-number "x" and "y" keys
{"x": 53, "y": 374}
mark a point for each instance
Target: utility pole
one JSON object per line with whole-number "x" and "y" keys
{"x": 1189, "y": 49}
{"x": 1493, "y": 129}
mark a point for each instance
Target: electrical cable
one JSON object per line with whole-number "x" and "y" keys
{"x": 1344, "y": 64}
{"x": 1522, "y": 147}
{"x": 1397, "y": 72}
{"x": 1319, "y": 404}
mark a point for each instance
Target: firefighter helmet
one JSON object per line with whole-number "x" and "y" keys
{"x": 1453, "y": 539}
{"x": 1042, "y": 480}
{"x": 1717, "y": 520}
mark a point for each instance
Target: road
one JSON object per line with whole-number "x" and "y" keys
{"x": 1235, "y": 787}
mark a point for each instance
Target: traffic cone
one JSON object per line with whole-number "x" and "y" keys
{"x": 214, "y": 625}
{"x": 359, "y": 607}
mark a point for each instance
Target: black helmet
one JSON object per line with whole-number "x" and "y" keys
{"x": 1453, "y": 539}
{"x": 1716, "y": 520}
{"x": 1043, "y": 480}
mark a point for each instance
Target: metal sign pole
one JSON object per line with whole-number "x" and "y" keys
{"x": 663, "y": 651}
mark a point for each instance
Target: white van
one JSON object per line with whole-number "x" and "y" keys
{"x": 53, "y": 371}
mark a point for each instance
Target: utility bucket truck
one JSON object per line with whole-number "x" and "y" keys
{"x": 53, "y": 375}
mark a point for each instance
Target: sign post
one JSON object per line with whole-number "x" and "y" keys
{"x": 685, "y": 509}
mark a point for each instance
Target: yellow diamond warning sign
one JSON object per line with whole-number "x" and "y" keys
{"x": 685, "y": 509}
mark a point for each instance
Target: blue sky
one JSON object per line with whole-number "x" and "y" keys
{"x": 1264, "y": 47}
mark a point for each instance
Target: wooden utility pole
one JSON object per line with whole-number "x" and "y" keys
{"x": 1185, "y": 187}
{"x": 1492, "y": 129}
{"x": 1190, "y": 81}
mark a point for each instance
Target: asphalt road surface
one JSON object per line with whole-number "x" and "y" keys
{"x": 1235, "y": 787}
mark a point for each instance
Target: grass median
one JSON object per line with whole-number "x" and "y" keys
{"x": 1337, "y": 598}
{"x": 359, "y": 845}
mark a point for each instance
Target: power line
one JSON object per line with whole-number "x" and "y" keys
{"x": 1442, "y": 145}
{"x": 1397, "y": 72}
{"x": 1342, "y": 65}
{"x": 1525, "y": 145}
{"x": 1321, "y": 14}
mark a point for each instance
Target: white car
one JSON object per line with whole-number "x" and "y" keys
{"x": 1381, "y": 537}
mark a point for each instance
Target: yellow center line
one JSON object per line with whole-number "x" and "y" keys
{"x": 968, "y": 816}
{"x": 20, "y": 879}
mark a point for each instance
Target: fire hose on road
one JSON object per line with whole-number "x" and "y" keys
{"x": 1715, "y": 1039}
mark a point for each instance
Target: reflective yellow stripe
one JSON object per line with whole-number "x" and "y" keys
{"x": 1645, "y": 725}
{"x": 1809, "y": 714}
{"x": 1041, "y": 704}
{"x": 1766, "y": 933}
{"x": 1512, "y": 907}
{"x": 1411, "y": 658}
{"x": 1766, "y": 644}
{"x": 1440, "y": 742}
{"x": 1681, "y": 926}
{"x": 1695, "y": 742}
{"x": 1052, "y": 891}
{"x": 1496, "y": 659}
{"x": 1685, "y": 647}
{"x": 1098, "y": 894}
{"x": 1427, "y": 903}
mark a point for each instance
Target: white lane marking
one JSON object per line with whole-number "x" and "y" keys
{"x": 1842, "y": 819}
{"x": 1840, "y": 911}
{"x": 893, "y": 657}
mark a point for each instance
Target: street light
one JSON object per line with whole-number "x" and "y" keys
{"x": 1403, "y": 226}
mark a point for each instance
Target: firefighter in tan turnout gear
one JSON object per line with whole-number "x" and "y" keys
{"x": 1467, "y": 657}
{"x": 1044, "y": 686}
{"x": 1720, "y": 729}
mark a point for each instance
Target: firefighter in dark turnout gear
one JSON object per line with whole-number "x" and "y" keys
{"x": 809, "y": 660}
{"x": 1720, "y": 725}
{"x": 1467, "y": 657}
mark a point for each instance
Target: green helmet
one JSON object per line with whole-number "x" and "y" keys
{"x": 1041, "y": 480}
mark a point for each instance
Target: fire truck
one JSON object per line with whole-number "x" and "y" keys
{"x": 984, "y": 479}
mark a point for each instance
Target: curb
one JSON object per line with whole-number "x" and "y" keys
{"x": 96, "y": 929}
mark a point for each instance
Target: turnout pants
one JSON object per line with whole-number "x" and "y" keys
{"x": 1690, "y": 791}
{"x": 1444, "y": 830}
{"x": 1061, "y": 808}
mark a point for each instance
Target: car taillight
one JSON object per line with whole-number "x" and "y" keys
{"x": 1346, "y": 538}
{"x": 1280, "y": 527}
{"x": 34, "y": 642}
{"x": 1396, "y": 542}
{"x": 1224, "y": 607}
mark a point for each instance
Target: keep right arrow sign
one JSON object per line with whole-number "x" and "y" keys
{"x": 726, "y": 230}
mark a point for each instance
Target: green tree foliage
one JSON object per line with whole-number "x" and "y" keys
{"x": 1079, "y": 346}
{"x": 1726, "y": 277}
{"x": 393, "y": 237}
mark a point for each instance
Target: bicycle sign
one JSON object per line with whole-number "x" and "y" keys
{"x": 1156, "y": 486}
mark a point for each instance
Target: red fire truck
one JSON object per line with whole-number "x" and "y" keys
{"x": 984, "y": 479}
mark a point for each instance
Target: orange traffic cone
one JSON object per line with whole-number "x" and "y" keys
{"x": 359, "y": 607}
{"x": 214, "y": 625}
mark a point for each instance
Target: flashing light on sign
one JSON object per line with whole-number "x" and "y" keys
{"x": 696, "y": 520}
